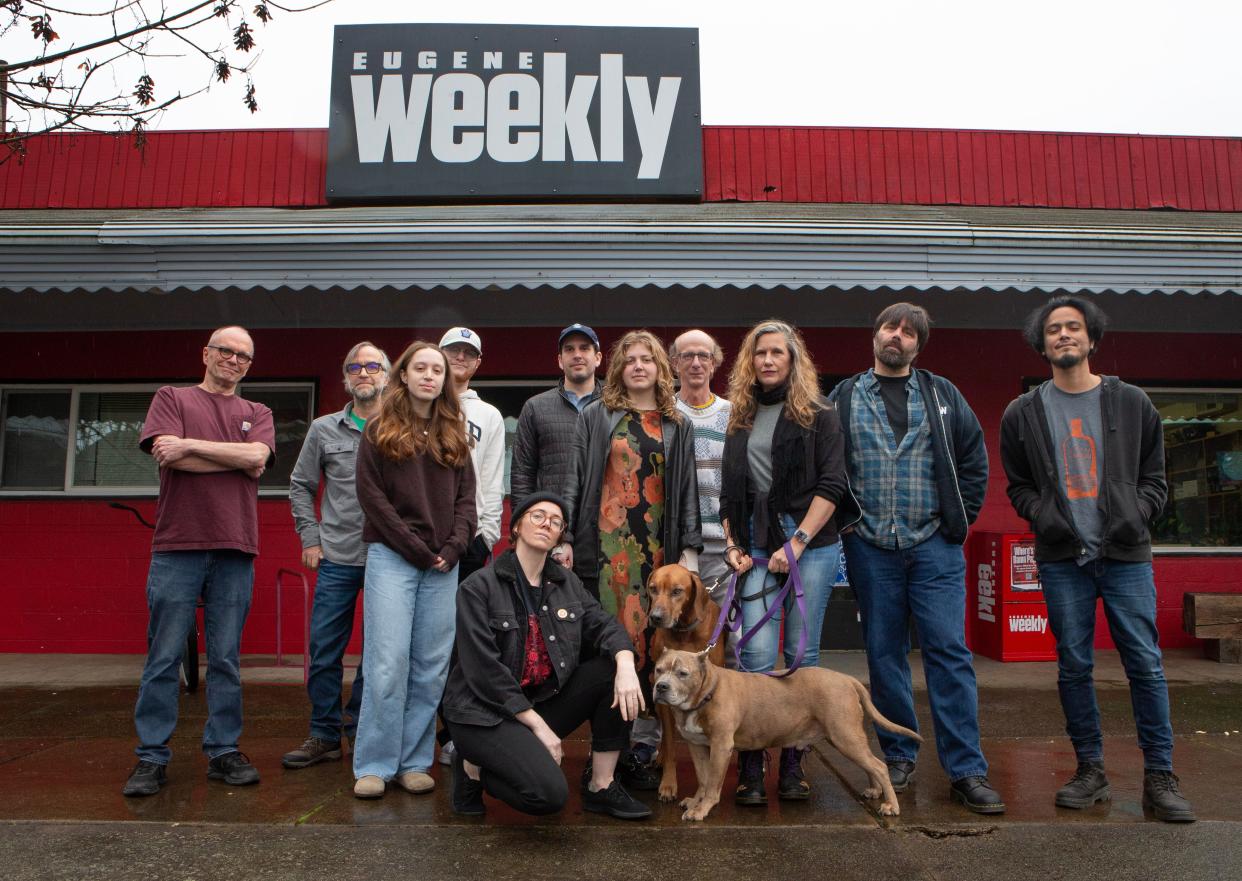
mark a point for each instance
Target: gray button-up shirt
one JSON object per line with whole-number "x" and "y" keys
{"x": 330, "y": 450}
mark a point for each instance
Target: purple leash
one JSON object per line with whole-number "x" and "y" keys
{"x": 734, "y": 624}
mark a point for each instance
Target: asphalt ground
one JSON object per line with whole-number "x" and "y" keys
{"x": 66, "y": 748}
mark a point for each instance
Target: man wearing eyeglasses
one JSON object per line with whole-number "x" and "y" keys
{"x": 695, "y": 357}
{"x": 212, "y": 446}
{"x": 332, "y": 546}
{"x": 486, "y": 428}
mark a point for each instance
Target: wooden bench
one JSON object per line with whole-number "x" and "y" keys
{"x": 1216, "y": 618}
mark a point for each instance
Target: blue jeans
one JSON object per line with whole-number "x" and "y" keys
{"x": 410, "y": 617}
{"x": 175, "y": 581}
{"x": 926, "y": 582}
{"x": 332, "y": 624}
{"x": 818, "y": 568}
{"x": 1129, "y": 594}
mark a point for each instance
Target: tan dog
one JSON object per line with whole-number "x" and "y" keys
{"x": 719, "y": 710}
{"x": 684, "y": 615}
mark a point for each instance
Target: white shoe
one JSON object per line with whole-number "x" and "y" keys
{"x": 446, "y": 753}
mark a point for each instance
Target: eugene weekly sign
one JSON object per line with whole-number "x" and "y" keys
{"x": 456, "y": 111}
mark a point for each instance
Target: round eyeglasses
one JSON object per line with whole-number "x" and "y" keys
{"x": 539, "y": 518}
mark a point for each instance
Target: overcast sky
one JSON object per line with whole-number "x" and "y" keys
{"x": 1144, "y": 67}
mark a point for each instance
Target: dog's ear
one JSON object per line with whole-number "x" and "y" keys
{"x": 702, "y": 656}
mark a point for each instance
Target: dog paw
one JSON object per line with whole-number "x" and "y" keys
{"x": 687, "y": 802}
{"x": 889, "y": 810}
{"x": 873, "y": 792}
{"x": 694, "y": 814}
{"x": 669, "y": 793}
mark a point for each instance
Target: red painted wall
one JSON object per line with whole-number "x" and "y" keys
{"x": 72, "y": 571}
{"x": 285, "y": 168}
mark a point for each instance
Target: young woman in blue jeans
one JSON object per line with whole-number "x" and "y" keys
{"x": 783, "y": 475}
{"x": 416, "y": 489}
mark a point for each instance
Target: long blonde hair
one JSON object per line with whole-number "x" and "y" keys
{"x": 399, "y": 433}
{"x": 615, "y": 394}
{"x": 803, "y": 399}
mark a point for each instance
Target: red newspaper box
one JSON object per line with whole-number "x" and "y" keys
{"x": 1005, "y": 607}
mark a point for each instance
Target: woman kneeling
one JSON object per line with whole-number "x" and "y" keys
{"x": 517, "y": 685}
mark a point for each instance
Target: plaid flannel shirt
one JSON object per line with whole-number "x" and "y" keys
{"x": 895, "y": 485}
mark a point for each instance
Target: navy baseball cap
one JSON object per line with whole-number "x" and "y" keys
{"x": 578, "y": 328}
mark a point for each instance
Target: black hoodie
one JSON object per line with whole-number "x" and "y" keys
{"x": 1133, "y": 474}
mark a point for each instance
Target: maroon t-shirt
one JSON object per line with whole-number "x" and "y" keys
{"x": 213, "y": 511}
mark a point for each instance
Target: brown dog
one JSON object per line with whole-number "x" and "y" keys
{"x": 720, "y": 710}
{"x": 684, "y": 616}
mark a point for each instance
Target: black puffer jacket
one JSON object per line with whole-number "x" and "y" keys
{"x": 543, "y": 444}
{"x": 585, "y": 483}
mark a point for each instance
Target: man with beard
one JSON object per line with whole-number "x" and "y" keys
{"x": 1085, "y": 459}
{"x": 918, "y": 469}
{"x": 544, "y": 441}
{"x": 332, "y": 546}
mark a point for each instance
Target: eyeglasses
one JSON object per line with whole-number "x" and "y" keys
{"x": 226, "y": 353}
{"x": 691, "y": 357}
{"x": 539, "y": 518}
{"x": 371, "y": 367}
{"x": 458, "y": 352}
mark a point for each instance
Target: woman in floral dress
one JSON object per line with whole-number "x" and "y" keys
{"x": 633, "y": 498}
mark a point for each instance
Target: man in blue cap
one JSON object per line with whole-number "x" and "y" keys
{"x": 545, "y": 432}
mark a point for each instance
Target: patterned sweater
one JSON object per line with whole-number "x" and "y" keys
{"x": 709, "y": 425}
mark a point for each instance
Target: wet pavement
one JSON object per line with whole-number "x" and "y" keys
{"x": 65, "y": 752}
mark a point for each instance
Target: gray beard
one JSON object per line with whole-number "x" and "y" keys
{"x": 890, "y": 358}
{"x": 364, "y": 394}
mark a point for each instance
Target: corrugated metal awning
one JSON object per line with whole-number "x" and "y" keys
{"x": 766, "y": 246}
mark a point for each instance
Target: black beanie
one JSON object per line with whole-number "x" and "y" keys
{"x": 534, "y": 499}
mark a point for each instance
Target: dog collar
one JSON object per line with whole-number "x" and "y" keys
{"x": 687, "y": 627}
{"x": 699, "y": 705}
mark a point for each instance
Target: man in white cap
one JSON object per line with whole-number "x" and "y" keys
{"x": 486, "y": 427}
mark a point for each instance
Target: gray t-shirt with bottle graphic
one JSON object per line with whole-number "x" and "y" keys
{"x": 1077, "y": 428}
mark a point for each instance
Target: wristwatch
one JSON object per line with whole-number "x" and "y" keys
{"x": 800, "y": 535}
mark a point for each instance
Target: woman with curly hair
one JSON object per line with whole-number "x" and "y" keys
{"x": 633, "y": 501}
{"x": 416, "y": 490}
{"x": 782, "y": 477}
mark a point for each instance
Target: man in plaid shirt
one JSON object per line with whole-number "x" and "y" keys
{"x": 918, "y": 470}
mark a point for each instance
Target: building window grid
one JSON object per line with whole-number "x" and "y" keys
{"x": 69, "y": 486}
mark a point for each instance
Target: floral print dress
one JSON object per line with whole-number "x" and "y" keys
{"x": 631, "y": 520}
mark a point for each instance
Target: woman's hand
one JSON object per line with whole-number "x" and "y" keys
{"x": 550, "y": 741}
{"x": 626, "y": 692}
{"x": 440, "y": 565}
{"x": 738, "y": 560}
{"x": 780, "y": 563}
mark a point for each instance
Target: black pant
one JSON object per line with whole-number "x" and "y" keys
{"x": 474, "y": 559}
{"x": 517, "y": 768}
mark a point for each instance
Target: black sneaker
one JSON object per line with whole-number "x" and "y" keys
{"x": 312, "y": 751}
{"x": 751, "y": 764}
{"x": 614, "y": 801}
{"x": 977, "y": 794}
{"x": 146, "y": 779}
{"x": 1163, "y": 798}
{"x": 1085, "y": 788}
{"x": 233, "y": 768}
{"x": 900, "y": 774}
{"x": 636, "y": 774}
{"x": 467, "y": 793}
{"x": 791, "y": 784}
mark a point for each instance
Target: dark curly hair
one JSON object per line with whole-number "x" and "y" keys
{"x": 1093, "y": 315}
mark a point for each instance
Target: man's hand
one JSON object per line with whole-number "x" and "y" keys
{"x": 311, "y": 557}
{"x": 169, "y": 448}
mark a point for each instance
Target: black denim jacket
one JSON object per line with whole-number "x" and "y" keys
{"x": 483, "y": 678}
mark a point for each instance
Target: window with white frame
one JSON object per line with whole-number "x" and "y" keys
{"x": 83, "y": 439}
{"x": 1203, "y": 465}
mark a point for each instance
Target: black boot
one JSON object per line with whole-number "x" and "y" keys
{"x": 467, "y": 795}
{"x": 792, "y": 785}
{"x": 751, "y": 764}
{"x": 1163, "y": 798}
{"x": 1085, "y": 788}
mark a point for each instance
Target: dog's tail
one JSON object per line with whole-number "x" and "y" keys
{"x": 877, "y": 717}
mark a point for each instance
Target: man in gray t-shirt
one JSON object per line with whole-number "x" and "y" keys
{"x": 1078, "y": 450}
{"x": 1084, "y": 455}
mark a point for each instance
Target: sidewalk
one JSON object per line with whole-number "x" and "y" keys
{"x": 66, "y": 746}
